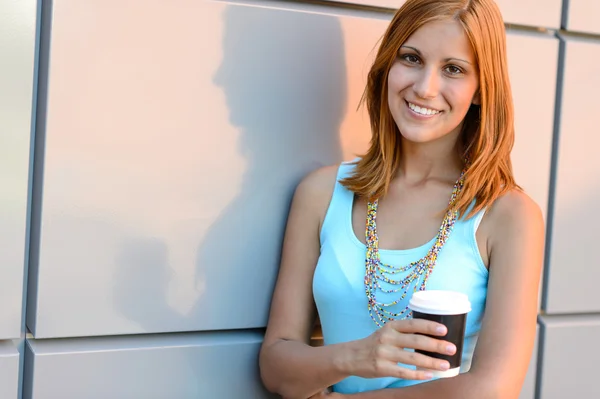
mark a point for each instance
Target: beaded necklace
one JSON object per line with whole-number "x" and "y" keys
{"x": 418, "y": 271}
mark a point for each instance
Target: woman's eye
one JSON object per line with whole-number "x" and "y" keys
{"x": 453, "y": 70}
{"x": 413, "y": 59}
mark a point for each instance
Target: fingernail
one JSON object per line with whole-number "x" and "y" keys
{"x": 444, "y": 366}
{"x": 441, "y": 330}
{"x": 428, "y": 375}
{"x": 450, "y": 349}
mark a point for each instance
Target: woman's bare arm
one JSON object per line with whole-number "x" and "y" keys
{"x": 289, "y": 366}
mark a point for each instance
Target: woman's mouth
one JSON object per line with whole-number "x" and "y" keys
{"x": 422, "y": 111}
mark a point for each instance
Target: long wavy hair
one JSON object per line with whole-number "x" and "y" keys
{"x": 487, "y": 135}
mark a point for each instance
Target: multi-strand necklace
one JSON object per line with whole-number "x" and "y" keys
{"x": 418, "y": 272}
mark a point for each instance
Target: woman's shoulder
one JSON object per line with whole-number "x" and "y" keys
{"x": 514, "y": 213}
{"x": 321, "y": 181}
{"x": 516, "y": 205}
{"x": 315, "y": 190}
{"x": 318, "y": 185}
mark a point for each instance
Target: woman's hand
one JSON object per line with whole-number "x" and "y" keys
{"x": 378, "y": 355}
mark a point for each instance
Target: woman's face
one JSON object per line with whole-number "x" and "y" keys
{"x": 433, "y": 82}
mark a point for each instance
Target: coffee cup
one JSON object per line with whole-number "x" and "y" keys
{"x": 449, "y": 308}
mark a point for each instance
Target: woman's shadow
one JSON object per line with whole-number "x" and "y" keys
{"x": 284, "y": 78}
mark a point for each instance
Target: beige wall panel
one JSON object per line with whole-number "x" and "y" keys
{"x": 584, "y": 16}
{"x": 533, "y": 82}
{"x": 574, "y": 266}
{"x": 17, "y": 51}
{"x": 569, "y": 361}
{"x": 542, "y": 13}
{"x": 176, "y": 134}
{"x": 9, "y": 370}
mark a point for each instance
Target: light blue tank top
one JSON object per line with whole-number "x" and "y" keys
{"x": 338, "y": 282}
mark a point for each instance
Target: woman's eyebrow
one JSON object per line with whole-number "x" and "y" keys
{"x": 416, "y": 50}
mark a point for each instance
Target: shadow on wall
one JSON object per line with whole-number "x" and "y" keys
{"x": 284, "y": 82}
{"x": 284, "y": 78}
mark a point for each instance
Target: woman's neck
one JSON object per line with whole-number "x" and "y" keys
{"x": 424, "y": 161}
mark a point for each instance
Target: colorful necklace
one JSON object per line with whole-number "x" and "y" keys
{"x": 418, "y": 271}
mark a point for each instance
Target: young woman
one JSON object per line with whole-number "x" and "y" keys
{"x": 359, "y": 236}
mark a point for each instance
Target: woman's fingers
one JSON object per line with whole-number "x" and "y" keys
{"x": 408, "y": 334}
{"x": 421, "y": 342}
{"x": 420, "y": 360}
{"x": 397, "y": 355}
{"x": 419, "y": 326}
{"x": 394, "y": 370}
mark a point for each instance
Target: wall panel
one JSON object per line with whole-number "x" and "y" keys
{"x": 573, "y": 272}
{"x": 171, "y": 153}
{"x": 17, "y": 49}
{"x": 534, "y": 110}
{"x": 568, "y": 369}
{"x": 182, "y": 366}
{"x": 9, "y": 370}
{"x": 583, "y": 16}
{"x": 541, "y": 13}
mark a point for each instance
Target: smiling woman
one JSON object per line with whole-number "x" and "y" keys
{"x": 437, "y": 84}
{"x": 436, "y": 190}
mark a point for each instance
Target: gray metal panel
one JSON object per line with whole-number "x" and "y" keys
{"x": 543, "y": 13}
{"x": 528, "y": 390}
{"x": 573, "y": 271}
{"x": 17, "y": 49}
{"x": 584, "y": 15}
{"x": 171, "y": 154}
{"x": 9, "y": 370}
{"x": 570, "y": 357}
{"x": 533, "y": 82}
{"x": 182, "y": 366}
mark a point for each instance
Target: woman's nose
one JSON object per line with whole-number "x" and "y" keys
{"x": 427, "y": 84}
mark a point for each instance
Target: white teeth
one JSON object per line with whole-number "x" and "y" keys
{"x": 422, "y": 111}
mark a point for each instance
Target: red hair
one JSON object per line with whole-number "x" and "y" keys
{"x": 488, "y": 130}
